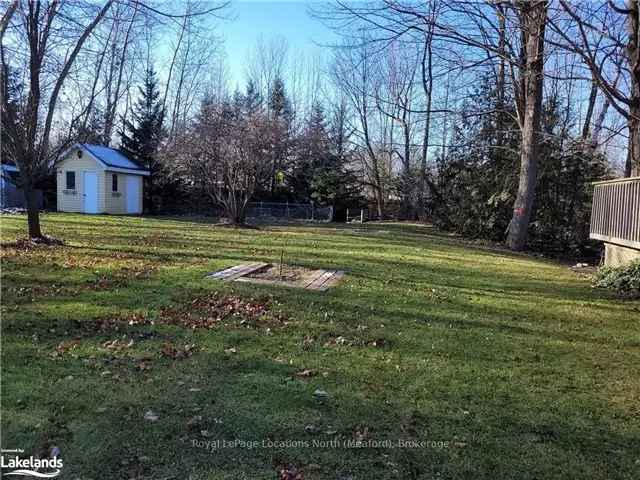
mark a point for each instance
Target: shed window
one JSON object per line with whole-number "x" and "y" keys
{"x": 71, "y": 180}
{"x": 114, "y": 182}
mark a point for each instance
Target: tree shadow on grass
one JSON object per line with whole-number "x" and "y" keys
{"x": 250, "y": 397}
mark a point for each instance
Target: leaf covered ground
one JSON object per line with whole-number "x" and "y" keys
{"x": 432, "y": 358}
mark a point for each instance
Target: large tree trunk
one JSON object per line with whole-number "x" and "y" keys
{"x": 236, "y": 211}
{"x": 33, "y": 212}
{"x": 379, "y": 203}
{"x": 632, "y": 165}
{"x": 405, "y": 178}
{"x": 533, "y": 24}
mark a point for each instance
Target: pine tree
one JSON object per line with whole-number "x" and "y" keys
{"x": 280, "y": 120}
{"x": 312, "y": 155}
{"x": 279, "y": 104}
{"x": 478, "y": 177}
{"x": 562, "y": 209}
{"x": 12, "y": 91}
{"x": 92, "y": 130}
{"x": 321, "y": 173}
{"x": 252, "y": 98}
{"x": 334, "y": 182}
{"x": 141, "y": 137}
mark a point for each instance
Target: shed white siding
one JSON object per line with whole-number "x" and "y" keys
{"x": 116, "y": 202}
{"x": 108, "y": 201}
{"x": 72, "y": 200}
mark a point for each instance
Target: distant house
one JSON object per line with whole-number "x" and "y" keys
{"x": 99, "y": 179}
{"x": 615, "y": 219}
{"x": 10, "y": 195}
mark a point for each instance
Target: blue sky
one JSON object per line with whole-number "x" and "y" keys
{"x": 252, "y": 18}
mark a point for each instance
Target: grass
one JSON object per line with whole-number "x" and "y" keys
{"x": 507, "y": 366}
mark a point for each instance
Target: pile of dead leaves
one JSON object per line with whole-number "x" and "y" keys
{"x": 37, "y": 291}
{"x": 210, "y": 310}
{"x": 115, "y": 323}
{"x": 26, "y": 244}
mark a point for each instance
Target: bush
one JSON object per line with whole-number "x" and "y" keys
{"x": 625, "y": 279}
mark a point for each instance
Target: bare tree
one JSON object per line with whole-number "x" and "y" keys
{"x": 533, "y": 17}
{"x": 595, "y": 33}
{"x": 116, "y": 71}
{"x": 226, "y": 153}
{"x": 28, "y": 126}
{"x": 352, "y": 72}
{"x": 395, "y": 96}
{"x": 266, "y": 62}
{"x": 472, "y": 26}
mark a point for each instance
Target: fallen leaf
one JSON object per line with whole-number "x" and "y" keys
{"x": 320, "y": 394}
{"x": 312, "y": 429}
{"x": 151, "y": 416}
{"x": 291, "y": 473}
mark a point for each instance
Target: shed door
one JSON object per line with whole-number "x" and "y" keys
{"x": 90, "y": 192}
{"x": 133, "y": 194}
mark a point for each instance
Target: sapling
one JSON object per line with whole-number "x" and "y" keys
{"x": 284, "y": 246}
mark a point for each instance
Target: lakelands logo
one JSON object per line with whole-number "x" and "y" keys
{"x": 32, "y": 466}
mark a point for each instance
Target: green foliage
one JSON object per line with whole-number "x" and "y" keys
{"x": 279, "y": 104}
{"x": 478, "y": 178}
{"x": 279, "y": 135}
{"x": 141, "y": 139}
{"x": 562, "y": 209}
{"x": 624, "y": 279}
{"x": 319, "y": 170}
{"x": 252, "y": 98}
{"x": 13, "y": 92}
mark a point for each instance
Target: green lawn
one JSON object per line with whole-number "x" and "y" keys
{"x": 502, "y": 365}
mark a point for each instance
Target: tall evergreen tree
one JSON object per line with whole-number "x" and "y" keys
{"x": 312, "y": 154}
{"x": 335, "y": 181}
{"x": 478, "y": 178}
{"x": 142, "y": 135}
{"x": 562, "y": 210}
{"x": 280, "y": 120}
{"x": 279, "y": 104}
{"x": 320, "y": 172}
{"x": 12, "y": 92}
{"x": 252, "y": 98}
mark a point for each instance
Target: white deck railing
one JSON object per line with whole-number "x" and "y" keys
{"x": 615, "y": 214}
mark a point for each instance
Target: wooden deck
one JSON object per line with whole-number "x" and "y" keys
{"x": 324, "y": 279}
{"x": 238, "y": 271}
{"x": 615, "y": 215}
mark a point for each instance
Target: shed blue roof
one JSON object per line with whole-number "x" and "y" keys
{"x": 111, "y": 157}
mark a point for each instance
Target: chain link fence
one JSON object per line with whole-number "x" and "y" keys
{"x": 289, "y": 211}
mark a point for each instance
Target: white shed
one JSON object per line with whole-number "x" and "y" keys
{"x": 99, "y": 179}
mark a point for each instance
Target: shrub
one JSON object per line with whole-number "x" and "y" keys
{"x": 625, "y": 279}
